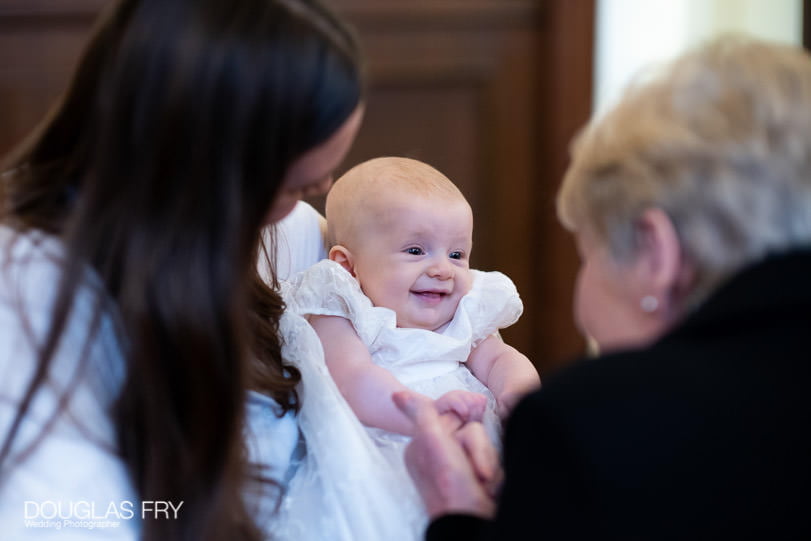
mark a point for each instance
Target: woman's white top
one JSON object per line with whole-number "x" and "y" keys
{"x": 299, "y": 240}
{"x": 72, "y": 485}
{"x": 69, "y": 482}
{"x": 352, "y": 483}
{"x": 273, "y": 442}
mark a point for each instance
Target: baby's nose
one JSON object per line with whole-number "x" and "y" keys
{"x": 441, "y": 269}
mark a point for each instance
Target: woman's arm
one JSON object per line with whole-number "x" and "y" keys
{"x": 507, "y": 373}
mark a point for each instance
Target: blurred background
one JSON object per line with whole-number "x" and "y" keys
{"x": 488, "y": 91}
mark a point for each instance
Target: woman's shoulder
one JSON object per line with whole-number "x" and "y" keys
{"x": 66, "y": 438}
{"x": 30, "y": 269}
{"x": 30, "y": 273}
{"x": 299, "y": 240}
{"x": 28, "y": 249}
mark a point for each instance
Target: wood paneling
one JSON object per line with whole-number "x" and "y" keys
{"x": 807, "y": 24}
{"x": 40, "y": 41}
{"x": 488, "y": 91}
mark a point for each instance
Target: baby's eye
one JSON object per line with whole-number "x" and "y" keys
{"x": 414, "y": 250}
{"x": 456, "y": 255}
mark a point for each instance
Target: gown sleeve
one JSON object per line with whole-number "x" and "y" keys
{"x": 327, "y": 289}
{"x": 491, "y": 304}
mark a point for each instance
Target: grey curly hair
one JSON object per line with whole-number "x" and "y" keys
{"x": 720, "y": 139}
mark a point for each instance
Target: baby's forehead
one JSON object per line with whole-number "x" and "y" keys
{"x": 404, "y": 175}
{"x": 409, "y": 195}
{"x": 374, "y": 191}
{"x": 407, "y": 204}
{"x": 419, "y": 216}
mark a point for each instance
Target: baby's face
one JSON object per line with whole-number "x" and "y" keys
{"x": 415, "y": 260}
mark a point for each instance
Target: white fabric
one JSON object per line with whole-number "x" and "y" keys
{"x": 344, "y": 489}
{"x": 274, "y": 442}
{"x": 353, "y": 483}
{"x": 299, "y": 242}
{"x": 73, "y": 471}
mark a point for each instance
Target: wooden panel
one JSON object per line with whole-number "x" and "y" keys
{"x": 40, "y": 42}
{"x": 488, "y": 91}
{"x": 807, "y": 24}
{"x": 566, "y": 45}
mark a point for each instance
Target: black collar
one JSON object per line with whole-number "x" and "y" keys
{"x": 771, "y": 288}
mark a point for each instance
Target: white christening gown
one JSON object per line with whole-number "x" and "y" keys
{"x": 352, "y": 483}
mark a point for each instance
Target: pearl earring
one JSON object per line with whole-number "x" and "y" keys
{"x": 649, "y": 303}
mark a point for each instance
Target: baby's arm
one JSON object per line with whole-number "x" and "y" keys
{"x": 365, "y": 386}
{"x": 368, "y": 388}
{"x": 507, "y": 373}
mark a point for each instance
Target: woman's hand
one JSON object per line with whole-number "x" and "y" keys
{"x": 455, "y": 468}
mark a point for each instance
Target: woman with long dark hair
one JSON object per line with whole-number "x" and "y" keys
{"x": 132, "y": 317}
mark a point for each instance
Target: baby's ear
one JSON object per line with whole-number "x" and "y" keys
{"x": 341, "y": 255}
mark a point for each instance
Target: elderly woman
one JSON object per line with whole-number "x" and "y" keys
{"x": 691, "y": 205}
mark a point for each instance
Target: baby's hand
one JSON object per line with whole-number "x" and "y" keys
{"x": 469, "y": 406}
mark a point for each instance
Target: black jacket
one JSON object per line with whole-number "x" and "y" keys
{"x": 704, "y": 435}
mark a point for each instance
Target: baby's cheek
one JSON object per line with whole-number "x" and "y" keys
{"x": 465, "y": 283}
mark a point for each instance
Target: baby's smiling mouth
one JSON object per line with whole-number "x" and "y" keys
{"x": 430, "y": 295}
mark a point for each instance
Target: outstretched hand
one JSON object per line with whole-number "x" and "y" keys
{"x": 455, "y": 468}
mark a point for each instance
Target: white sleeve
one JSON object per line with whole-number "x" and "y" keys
{"x": 72, "y": 484}
{"x": 299, "y": 241}
{"x": 272, "y": 443}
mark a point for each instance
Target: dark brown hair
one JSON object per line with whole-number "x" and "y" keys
{"x": 157, "y": 170}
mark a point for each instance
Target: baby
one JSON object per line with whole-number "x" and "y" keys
{"x": 404, "y": 233}
{"x": 396, "y": 306}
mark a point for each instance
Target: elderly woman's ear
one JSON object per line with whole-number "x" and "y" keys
{"x": 661, "y": 270}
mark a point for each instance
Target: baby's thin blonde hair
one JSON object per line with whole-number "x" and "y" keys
{"x": 720, "y": 140}
{"x": 355, "y": 198}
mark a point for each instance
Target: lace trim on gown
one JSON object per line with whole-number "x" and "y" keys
{"x": 352, "y": 483}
